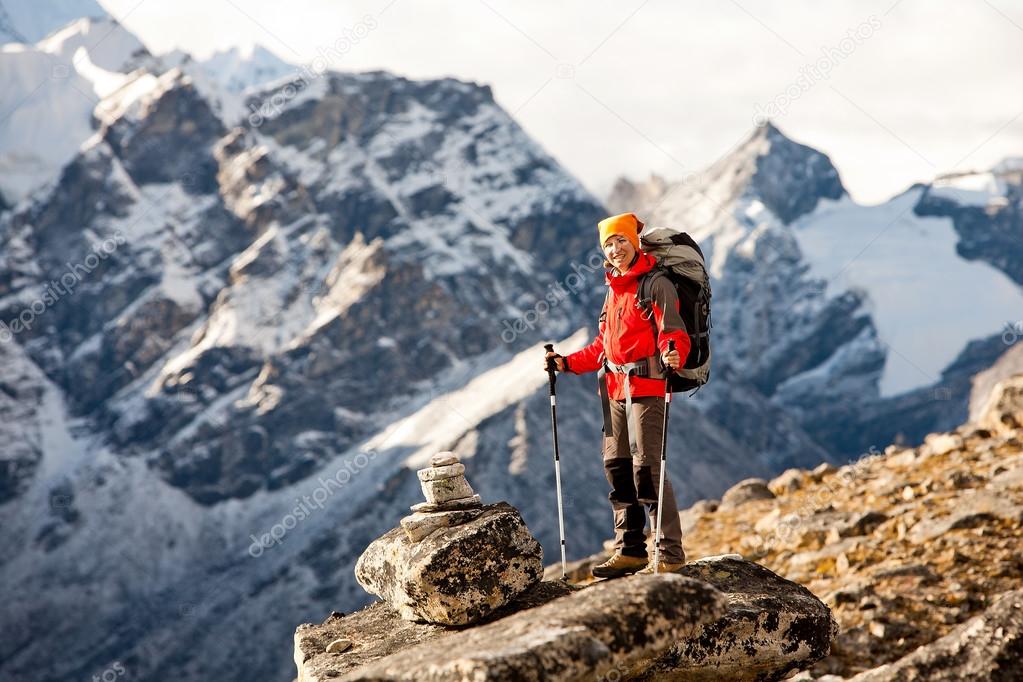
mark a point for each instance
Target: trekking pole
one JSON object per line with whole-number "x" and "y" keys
{"x": 664, "y": 463}
{"x": 551, "y": 367}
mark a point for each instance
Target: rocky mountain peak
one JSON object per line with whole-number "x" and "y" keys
{"x": 789, "y": 177}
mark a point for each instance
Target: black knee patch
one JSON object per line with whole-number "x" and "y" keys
{"x": 619, "y": 475}
{"x": 646, "y": 490}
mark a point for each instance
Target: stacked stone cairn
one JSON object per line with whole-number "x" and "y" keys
{"x": 454, "y": 560}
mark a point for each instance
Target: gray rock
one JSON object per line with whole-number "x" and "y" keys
{"x": 691, "y": 517}
{"x": 609, "y": 626}
{"x": 821, "y": 470}
{"x": 1003, "y": 412}
{"x": 447, "y": 490}
{"x": 975, "y": 508}
{"x": 437, "y": 473}
{"x": 772, "y": 627}
{"x": 705, "y": 506}
{"x": 862, "y": 524}
{"x": 1008, "y": 365}
{"x": 454, "y": 576}
{"x": 922, "y": 571}
{"x": 745, "y": 491}
{"x": 941, "y": 443}
{"x": 378, "y": 631}
{"x": 986, "y": 647}
{"x": 339, "y": 646}
{"x": 417, "y": 526}
{"x": 443, "y": 459}
{"x": 473, "y": 502}
{"x": 805, "y": 561}
{"x": 788, "y": 481}
{"x": 719, "y": 557}
{"x": 1009, "y": 473}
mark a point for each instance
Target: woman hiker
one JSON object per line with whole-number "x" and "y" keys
{"x": 632, "y": 444}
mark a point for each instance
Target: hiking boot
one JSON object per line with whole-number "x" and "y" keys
{"x": 663, "y": 567}
{"x": 618, "y": 565}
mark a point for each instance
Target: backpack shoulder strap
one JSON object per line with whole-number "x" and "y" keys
{"x": 645, "y": 287}
{"x": 644, "y": 295}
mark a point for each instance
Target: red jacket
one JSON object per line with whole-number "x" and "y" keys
{"x": 624, "y": 336}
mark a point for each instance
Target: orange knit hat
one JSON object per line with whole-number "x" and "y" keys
{"x": 625, "y": 224}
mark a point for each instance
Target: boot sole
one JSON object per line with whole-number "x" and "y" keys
{"x": 596, "y": 573}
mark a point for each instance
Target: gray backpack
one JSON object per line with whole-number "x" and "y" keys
{"x": 680, "y": 259}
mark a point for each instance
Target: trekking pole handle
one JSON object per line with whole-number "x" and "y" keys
{"x": 551, "y": 366}
{"x": 671, "y": 347}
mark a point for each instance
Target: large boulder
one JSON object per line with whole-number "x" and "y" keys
{"x": 986, "y": 648}
{"x": 1003, "y": 411}
{"x": 378, "y": 631}
{"x": 771, "y": 627}
{"x": 603, "y": 630}
{"x": 454, "y": 575}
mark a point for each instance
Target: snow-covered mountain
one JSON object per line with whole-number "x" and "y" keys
{"x": 229, "y": 340}
{"x": 212, "y": 329}
{"x": 240, "y": 69}
{"x": 49, "y": 91}
{"x": 27, "y": 21}
{"x": 57, "y": 88}
{"x": 866, "y": 323}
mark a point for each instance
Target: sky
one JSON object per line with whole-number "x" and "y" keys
{"x": 894, "y": 91}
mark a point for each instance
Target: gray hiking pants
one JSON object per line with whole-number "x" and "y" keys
{"x": 634, "y": 483}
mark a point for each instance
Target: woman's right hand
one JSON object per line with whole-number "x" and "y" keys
{"x": 559, "y": 361}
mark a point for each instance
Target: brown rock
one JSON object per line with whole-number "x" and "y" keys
{"x": 745, "y": 491}
{"x": 988, "y": 647}
{"x": 788, "y": 481}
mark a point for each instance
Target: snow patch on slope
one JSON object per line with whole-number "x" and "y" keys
{"x": 928, "y": 302}
{"x": 466, "y": 399}
{"x": 26, "y": 21}
{"x": 49, "y": 91}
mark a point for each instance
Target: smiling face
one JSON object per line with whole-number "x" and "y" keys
{"x": 619, "y": 251}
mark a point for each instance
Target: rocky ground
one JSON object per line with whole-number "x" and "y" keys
{"x": 901, "y": 565}
{"x": 463, "y": 599}
{"x": 905, "y": 545}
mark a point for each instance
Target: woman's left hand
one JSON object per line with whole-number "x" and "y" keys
{"x": 671, "y": 359}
